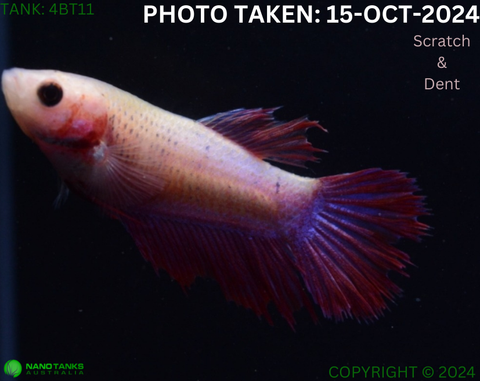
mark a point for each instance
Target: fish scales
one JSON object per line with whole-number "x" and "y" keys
{"x": 204, "y": 169}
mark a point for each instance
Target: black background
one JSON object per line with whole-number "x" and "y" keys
{"x": 86, "y": 295}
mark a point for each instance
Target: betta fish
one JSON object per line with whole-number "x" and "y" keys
{"x": 201, "y": 197}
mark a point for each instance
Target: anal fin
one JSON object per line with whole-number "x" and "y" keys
{"x": 251, "y": 270}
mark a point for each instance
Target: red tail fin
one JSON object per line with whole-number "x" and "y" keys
{"x": 344, "y": 252}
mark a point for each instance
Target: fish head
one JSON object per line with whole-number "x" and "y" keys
{"x": 55, "y": 108}
{"x": 66, "y": 115}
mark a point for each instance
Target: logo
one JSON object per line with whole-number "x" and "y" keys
{"x": 13, "y": 368}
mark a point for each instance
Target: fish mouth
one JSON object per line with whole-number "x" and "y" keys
{"x": 10, "y": 82}
{"x": 9, "y": 85}
{"x": 11, "y": 88}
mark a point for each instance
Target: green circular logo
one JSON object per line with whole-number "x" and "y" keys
{"x": 13, "y": 368}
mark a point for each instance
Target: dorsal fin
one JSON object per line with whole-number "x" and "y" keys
{"x": 259, "y": 132}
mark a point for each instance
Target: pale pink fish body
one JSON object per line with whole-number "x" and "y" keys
{"x": 187, "y": 163}
{"x": 200, "y": 200}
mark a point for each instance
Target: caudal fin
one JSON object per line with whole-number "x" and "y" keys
{"x": 344, "y": 251}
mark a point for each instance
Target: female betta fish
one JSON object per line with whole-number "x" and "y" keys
{"x": 199, "y": 199}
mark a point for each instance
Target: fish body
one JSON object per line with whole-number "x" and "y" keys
{"x": 199, "y": 198}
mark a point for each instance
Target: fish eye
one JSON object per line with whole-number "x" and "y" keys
{"x": 50, "y": 94}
